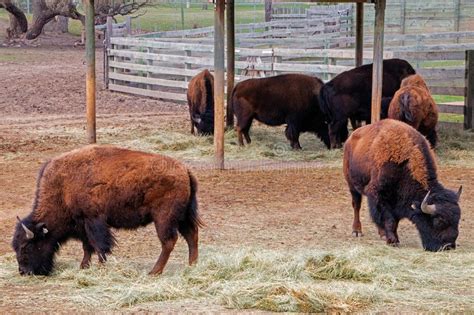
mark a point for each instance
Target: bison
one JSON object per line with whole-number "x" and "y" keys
{"x": 349, "y": 96}
{"x": 83, "y": 193}
{"x": 200, "y": 97}
{"x": 290, "y": 99}
{"x": 414, "y": 105}
{"x": 393, "y": 165}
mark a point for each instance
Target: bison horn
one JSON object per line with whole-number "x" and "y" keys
{"x": 459, "y": 192}
{"x": 196, "y": 119}
{"x": 29, "y": 233}
{"x": 425, "y": 207}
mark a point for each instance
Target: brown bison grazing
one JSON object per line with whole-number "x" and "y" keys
{"x": 349, "y": 96}
{"x": 83, "y": 193}
{"x": 393, "y": 165}
{"x": 290, "y": 99}
{"x": 414, "y": 105}
{"x": 201, "y": 102}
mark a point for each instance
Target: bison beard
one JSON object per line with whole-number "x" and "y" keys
{"x": 83, "y": 193}
{"x": 349, "y": 96}
{"x": 290, "y": 99}
{"x": 394, "y": 166}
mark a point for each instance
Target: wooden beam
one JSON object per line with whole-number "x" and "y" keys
{"x": 359, "y": 34}
{"x": 219, "y": 83}
{"x": 469, "y": 91}
{"x": 377, "y": 73}
{"x": 90, "y": 75}
{"x": 230, "y": 61}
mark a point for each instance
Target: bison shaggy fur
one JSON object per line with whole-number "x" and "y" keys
{"x": 349, "y": 96}
{"x": 290, "y": 99}
{"x": 82, "y": 194}
{"x": 413, "y": 104}
{"x": 200, "y": 97}
{"x": 394, "y": 166}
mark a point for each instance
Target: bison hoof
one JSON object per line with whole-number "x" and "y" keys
{"x": 85, "y": 265}
{"x": 357, "y": 233}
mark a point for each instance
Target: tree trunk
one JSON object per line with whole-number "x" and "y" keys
{"x": 57, "y": 25}
{"x": 14, "y": 30}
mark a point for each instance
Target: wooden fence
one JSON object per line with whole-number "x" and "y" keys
{"x": 161, "y": 69}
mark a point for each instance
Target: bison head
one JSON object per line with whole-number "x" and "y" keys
{"x": 437, "y": 219}
{"x": 34, "y": 248}
{"x": 205, "y": 122}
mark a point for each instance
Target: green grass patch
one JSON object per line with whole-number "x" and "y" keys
{"x": 440, "y": 99}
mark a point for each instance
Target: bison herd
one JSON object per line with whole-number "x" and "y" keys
{"x": 82, "y": 194}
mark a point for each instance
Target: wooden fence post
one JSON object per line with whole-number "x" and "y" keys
{"x": 90, "y": 75}
{"x": 187, "y": 65}
{"x": 230, "y": 17}
{"x": 469, "y": 91}
{"x": 108, "y": 35}
{"x": 219, "y": 84}
{"x": 128, "y": 24}
{"x": 377, "y": 73}
{"x": 359, "y": 35}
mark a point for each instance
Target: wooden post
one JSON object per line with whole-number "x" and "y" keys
{"x": 359, "y": 34}
{"x": 230, "y": 62}
{"x": 187, "y": 65}
{"x": 128, "y": 24}
{"x": 268, "y": 10}
{"x": 457, "y": 17}
{"x": 403, "y": 21}
{"x": 90, "y": 76}
{"x": 377, "y": 73}
{"x": 219, "y": 83}
{"x": 469, "y": 91}
{"x": 108, "y": 35}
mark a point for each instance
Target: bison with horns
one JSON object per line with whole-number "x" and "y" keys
{"x": 349, "y": 96}
{"x": 200, "y": 97}
{"x": 393, "y": 165}
{"x": 414, "y": 105}
{"x": 82, "y": 193}
{"x": 290, "y": 99}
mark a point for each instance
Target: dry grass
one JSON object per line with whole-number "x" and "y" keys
{"x": 362, "y": 278}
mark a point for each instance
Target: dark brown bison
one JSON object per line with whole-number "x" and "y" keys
{"x": 83, "y": 193}
{"x": 393, "y": 165}
{"x": 414, "y": 105}
{"x": 200, "y": 97}
{"x": 290, "y": 99}
{"x": 349, "y": 96}
{"x": 16, "y": 12}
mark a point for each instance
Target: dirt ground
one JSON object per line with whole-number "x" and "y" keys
{"x": 293, "y": 205}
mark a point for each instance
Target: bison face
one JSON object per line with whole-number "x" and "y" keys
{"x": 438, "y": 220}
{"x": 33, "y": 246}
{"x": 204, "y": 123}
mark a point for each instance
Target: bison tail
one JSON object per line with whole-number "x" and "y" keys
{"x": 325, "y": 100}
{"x": 405, "y": 113}
{"x": 192, "y": 220}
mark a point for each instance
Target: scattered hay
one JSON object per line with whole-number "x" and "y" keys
{"x": 362, "y": 278}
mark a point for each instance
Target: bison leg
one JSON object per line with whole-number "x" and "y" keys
{"x": 293, "y": 135}
{"x": 88, "y": 250}
{"x": 338, "y": 133}
{"x": 356, "y": 203}
{"x": 432, "y": 137}
{"x": 168, "y": 236}
{"x": 390, "y": 227}
{"x": 100, "y": 238}
{"x": 191, "y": 237}
{"x": 192, "y": 125}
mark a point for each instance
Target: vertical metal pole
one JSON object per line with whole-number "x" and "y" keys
{"x": 359, "y": 34}
{"x": 90, "y": 75}
{"x": 230, "y": 61}
{"x": 377, "y": 73}
{"x": 219, "y": 83}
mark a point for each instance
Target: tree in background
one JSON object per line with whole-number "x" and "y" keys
{"x": 18, "y": 22}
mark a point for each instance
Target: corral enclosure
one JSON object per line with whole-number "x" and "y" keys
{"x": 278, "y": 222}
{"x": 304, "y": 38}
